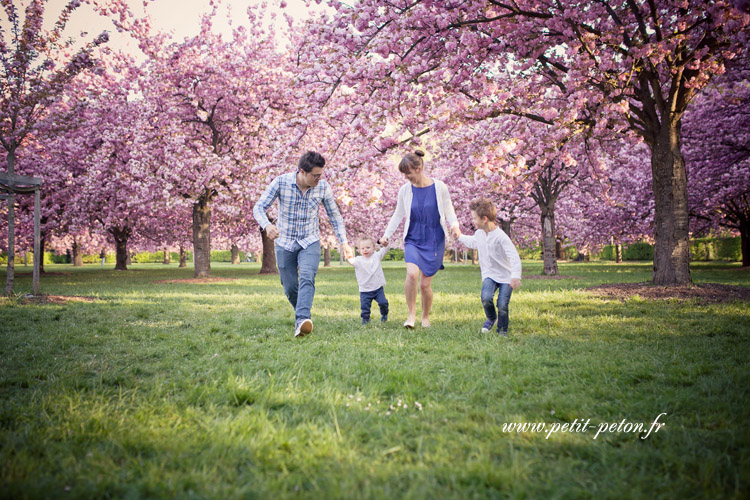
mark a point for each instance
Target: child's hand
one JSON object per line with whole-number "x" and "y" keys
{"x": 515, "y": 284}
{"x": 383, "y": 242}
{"x": 456, "y": 230}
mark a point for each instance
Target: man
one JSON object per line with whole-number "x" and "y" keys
{"x": 298, "y": 245}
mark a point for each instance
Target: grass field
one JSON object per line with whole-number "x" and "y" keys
{"x": 164, "y": 390}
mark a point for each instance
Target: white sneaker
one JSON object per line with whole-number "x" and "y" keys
{"x": 304, "y": 328}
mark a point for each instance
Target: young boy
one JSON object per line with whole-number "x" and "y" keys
{"x": 370, "y": 278}
{"x": 498, "y": 261}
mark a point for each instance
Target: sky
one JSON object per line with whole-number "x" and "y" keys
{"x": 180, "y": 17}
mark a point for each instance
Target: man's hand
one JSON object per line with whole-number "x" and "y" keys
{"x": 515, "y": 283}
{"x": 272, "y": 232}
{"x": 348, "y": 252}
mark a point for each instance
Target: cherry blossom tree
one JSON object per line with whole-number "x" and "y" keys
{"x": 600, "y": 67}
{"x": 37, "y": 66}
{"x": 718, "y": 156}
{"x": 217, "y": 102}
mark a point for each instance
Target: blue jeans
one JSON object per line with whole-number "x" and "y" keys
{"x": 489, "y": 286}
{"x": 365, "y": 302}
{"x": 297, "y": 270}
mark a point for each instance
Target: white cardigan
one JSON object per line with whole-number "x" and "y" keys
{"x": 403, "y": 209}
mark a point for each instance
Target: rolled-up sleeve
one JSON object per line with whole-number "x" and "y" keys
{"x": 334, "y": 215}
{"x": 265, "y": 202}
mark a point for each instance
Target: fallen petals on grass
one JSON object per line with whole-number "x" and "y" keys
{"x": 708, "y": 293}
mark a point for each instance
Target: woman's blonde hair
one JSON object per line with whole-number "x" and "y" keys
{"x": 411, "y": 161}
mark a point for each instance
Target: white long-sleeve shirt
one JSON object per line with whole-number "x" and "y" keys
{"x": 369, "y": 271}
{"x": 498, "y": 257}
{"x": 448, "y": 217}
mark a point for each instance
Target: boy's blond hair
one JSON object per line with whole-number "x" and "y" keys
{"x": 484, "y": 208}
{"x": 365, "y": 237}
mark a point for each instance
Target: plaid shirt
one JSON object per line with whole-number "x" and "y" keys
{"x": 298, "y": 212}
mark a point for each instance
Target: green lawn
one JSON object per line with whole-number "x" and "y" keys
{"x": 200, "y": 391}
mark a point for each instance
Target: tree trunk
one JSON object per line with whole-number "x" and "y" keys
{"x": 166, "y": 256}
{"x": 42, "y": 244}
{"x": 269, "y": 256}
{"x": 183, "y": 257}
{"x": 235, "y": 254}
{"x": 474, "y": 257}
{"x": 9, "y": 277}
{"x": 549, "y": 241}
{"x": 77, "y": 254}
{"x": 745, "y": 242}
{"x": 202, "y": 237}
{"x": 505, "y": 225}
{"x": 129, "y": 260}
{"x": 326, "y": 257}
{"x": 559, "y": 250}
{"x": 121, "y": 236}
{"x": 618, "y": 253}
{"x": 669, "y": 182}
{"x": 10, "y": 273}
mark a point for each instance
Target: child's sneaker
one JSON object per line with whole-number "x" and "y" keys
{"x": 487, "y": 326}
{"x": 502, "y": 333}
{"x": 384, "y": 318}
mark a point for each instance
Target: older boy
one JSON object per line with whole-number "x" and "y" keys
{"x": 498, "y": 261}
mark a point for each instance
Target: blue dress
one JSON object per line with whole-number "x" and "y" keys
{"x": 425, "y": 241}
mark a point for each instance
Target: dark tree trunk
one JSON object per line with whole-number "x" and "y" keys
{"x": 505, "y": 225}
{"x": 77, "y": 255}
{"x": 121, "y": 236}
{"x": 183, "y": 257}
{"x": 42, "y": 244}
{"x": 326, "y": 257}
{"x": 545, "y": 193}
{"x": 669, "y": 182}
{"x": 268, "y": 265}
{"x": 745, "y": 242}
{"x": 166, "y": 256}
{"x": 235, "y": 254}
{"x": 202, "y": 237}
{"x": 548, "y": 241}
{"x": 11, "y": 269}
{"x": 559, "y": 253}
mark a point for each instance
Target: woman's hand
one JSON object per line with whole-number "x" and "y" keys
{"x": 456, "y": 230}
{"x": 383, "y": 242}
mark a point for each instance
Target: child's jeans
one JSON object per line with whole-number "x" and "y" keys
{"x": 489, "y": 286}
{"x": 365, "y": 302}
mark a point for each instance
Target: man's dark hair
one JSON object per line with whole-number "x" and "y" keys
{"x": 310, "y": 160}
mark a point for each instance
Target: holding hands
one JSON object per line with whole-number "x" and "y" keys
{"x": 348, "y": 252}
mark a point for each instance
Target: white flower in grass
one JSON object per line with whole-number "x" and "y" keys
{"x": 387, "y": 413}
{"x": 552, "y": 412}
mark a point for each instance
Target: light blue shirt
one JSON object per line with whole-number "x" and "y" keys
{"x": 298, "y": 212}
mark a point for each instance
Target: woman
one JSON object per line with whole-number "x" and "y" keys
{"x": 426, "y": 206}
